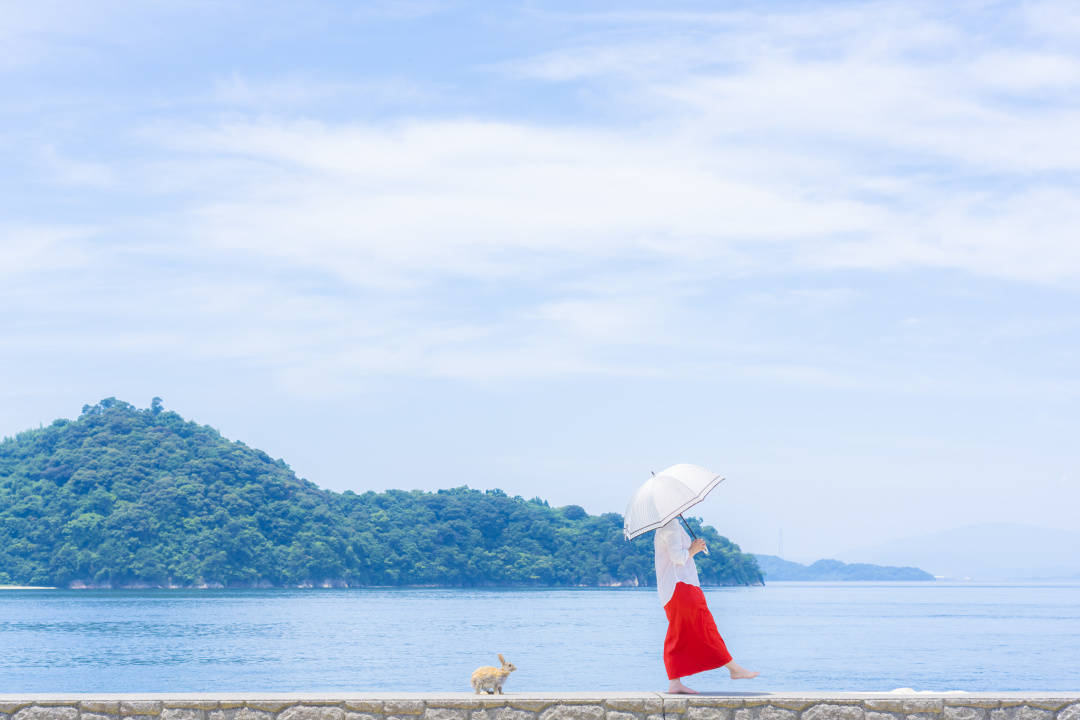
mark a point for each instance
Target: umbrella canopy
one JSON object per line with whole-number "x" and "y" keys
{"x": 666, "y": 495}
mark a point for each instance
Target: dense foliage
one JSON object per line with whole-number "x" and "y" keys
{"x": 123, "y": 497}
{"x": 775, "y": 568}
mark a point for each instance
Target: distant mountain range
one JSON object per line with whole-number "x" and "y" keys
{"x": 992, "y": 551}
{"x": 778, "y": 569}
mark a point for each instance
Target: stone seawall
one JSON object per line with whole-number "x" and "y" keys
{"x": 546, "y": 706}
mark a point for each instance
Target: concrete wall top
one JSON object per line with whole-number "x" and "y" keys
{"x": 511, "y": 698}
{"x": 542, "y": 706}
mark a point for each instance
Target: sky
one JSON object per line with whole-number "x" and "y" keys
{"x": 828, "y": 249}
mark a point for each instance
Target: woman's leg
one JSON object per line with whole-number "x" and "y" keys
{"x": 676, "y": 687}
{"x": 738, "y": 672}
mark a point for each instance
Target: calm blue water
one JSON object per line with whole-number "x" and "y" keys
{"x": 801, "y": 636}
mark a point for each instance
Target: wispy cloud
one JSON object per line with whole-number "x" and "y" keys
{"x": 299, "y": 94}
{"x": 65, "y": 171}
{"x": 880, "y": 137}
{"x": 29, "y": 250}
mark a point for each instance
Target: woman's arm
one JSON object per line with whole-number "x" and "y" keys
{"x": 670, "y": 538}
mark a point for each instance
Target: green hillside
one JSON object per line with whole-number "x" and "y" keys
{"x": 123, "y": 497}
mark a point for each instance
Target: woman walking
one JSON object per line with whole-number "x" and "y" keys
{"x": 693, "y": 643}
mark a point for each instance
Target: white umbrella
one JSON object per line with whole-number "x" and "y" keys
{"x": 667, "y": 495}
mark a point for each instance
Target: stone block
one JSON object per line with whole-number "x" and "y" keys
{"x": 698, "y": 712}
{"x": 878, "y": 715}
{"x": 172, "y": 713}
{"x": 923, "y": 716}
{"x": 765, "y": 712}
{"x": 1051, "y": 704}
{"x": 239, "y": 713}
{"x": 619, "y": 715}
{"x": 373, "y": 707}
{"x": 530, "y": 705}
{"x": 140, "y": 707}
{"x": 100, "y": 707}
{"x": 889, "y": 705}
{"x": 508, "y": 713}
{"x": 718, "y": 702}
{"x": 270, "y": 706}
{"x": 830, "y": 711}
{"x": 1069, "y": 712}
{"x": 479, "y": 715}
{"x": 964, "y": 712}
{"x": 796, "y": 704}
{"x": 573, "y": 712}
{"x": 443, "y": 713}
{"x": 398, "y": 707}
{"x": 9, "y": 707}
{"x": 627, "y": 705}
{"x": 96, "y": 716}
{"x": 39, "y": 712}
{"x": 675, "y": 706}
{"x": 923, "y": 706}
{"x": 973, "y": 702}
{"x": 308, "y": 712}
{"x": 1021, "y": 712}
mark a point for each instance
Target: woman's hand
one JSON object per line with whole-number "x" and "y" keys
{"x": 697, "y": 546}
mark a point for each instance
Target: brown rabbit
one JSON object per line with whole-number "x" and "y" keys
{"x": 491, "y": 679}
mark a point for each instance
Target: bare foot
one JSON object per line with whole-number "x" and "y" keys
{"x": 738, "y": 672}
{"x": 676, "y": 687}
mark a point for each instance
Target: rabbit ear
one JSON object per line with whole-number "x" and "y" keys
{"x": 501, "y": 659}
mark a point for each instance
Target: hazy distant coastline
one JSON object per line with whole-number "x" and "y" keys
{"x": 778, "y": 569}
{"x": 989, "y": 551}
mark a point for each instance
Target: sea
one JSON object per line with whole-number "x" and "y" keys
{"x": 931, "y": 636}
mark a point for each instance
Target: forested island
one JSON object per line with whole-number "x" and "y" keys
{"x": 127, "y": 497}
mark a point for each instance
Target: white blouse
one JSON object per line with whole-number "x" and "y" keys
{"x": 673, "y": 562}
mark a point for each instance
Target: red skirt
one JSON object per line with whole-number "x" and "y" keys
{"x": 693, "y": 644}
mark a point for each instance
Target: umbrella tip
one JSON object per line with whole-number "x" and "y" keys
{"x": 653, "y": 473}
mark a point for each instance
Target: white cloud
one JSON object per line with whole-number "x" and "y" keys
{"x": 69, "y": 172}
{"x": 874, "y": 137}
{"x": 29, "y": 249}
{"x": 301, "y": 93}
{"x": 868, "y": 136}
{"x": 381, "y": 205}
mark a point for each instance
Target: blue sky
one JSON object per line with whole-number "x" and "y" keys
{"x": 827, "y": 249}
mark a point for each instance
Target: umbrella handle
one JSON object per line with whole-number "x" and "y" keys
{"x": 692, "y": 535}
